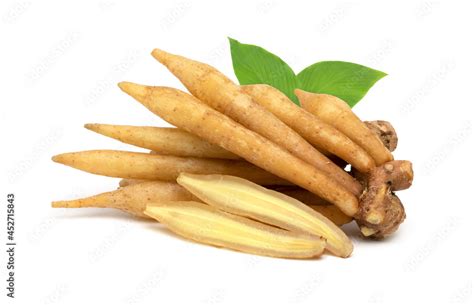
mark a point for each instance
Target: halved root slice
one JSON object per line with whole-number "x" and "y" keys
{"x": 165, "y": 141}
{"x": 208, "y": 225}
{"x": 131, "y": 199}
{"x": 242, "y": 197}
{"x": 125, "y": 164}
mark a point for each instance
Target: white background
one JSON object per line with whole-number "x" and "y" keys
{"x": 59, "y": 65}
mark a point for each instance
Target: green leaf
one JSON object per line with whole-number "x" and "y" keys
{"x": 345, "y": 80}
{"x": 255, "y": 65}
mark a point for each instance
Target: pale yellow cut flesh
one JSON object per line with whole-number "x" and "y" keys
{"x": 242, "y": 197}
{"x": 208, "y": 225}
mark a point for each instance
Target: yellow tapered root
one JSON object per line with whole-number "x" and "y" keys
{"x": 131, "y": 199}
{"x": 124, "y": 164}
{"x": 217, "y": 91}
{"x": 134, "y": 197}
{"x": 242, "y": 197}
{"x": 336, "y": 112}
{"x": 165, "y": 141}
{"x": 205, "y": 224}
{"x": 188, "y": 113}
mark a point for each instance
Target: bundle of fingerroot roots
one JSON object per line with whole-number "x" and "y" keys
{"x": 249, "y": 170}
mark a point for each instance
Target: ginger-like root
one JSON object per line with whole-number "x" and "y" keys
{"x": 398, "y": 174}
{"x": 385, "y": 132}
{"x": 394, "y": 215}
{"x": 380, "y": 210}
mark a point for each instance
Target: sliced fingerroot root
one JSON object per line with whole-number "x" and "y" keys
{"x": 242, "y": 197}
{"x": 208, "y": 225}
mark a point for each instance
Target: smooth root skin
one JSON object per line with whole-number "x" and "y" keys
{"x": 131, "y": 199}
{"x": 162, "y": 140}
{"x": 217, "y": 91}
{"x": 242, "y": 197}
{"x": 314, "y": 130}
{"x": 134, "y": 165}
{"x": 204, "y": 224}
{"x": 188, "y": 113}
{"x": 336, "y": 112}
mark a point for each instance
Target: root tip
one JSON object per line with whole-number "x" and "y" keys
{"x": 159, "y": 55}
{"x": 57, "y": 204}
{"x": 136, "y": 91}
{"x": 57, "y": 158}
{"x": 90, "y": 126}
